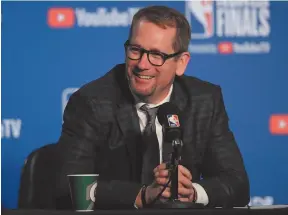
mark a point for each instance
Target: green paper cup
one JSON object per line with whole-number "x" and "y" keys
{"x": 82, "y": 187}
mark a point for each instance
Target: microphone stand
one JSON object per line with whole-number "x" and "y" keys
{"x": 173, "y": 201}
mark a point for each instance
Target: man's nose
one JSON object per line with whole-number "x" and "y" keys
{"x": 144, "y": 62}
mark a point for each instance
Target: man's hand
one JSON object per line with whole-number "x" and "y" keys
{"x": 160, "y": 179}
{"x": 185, "y": 188}
{"x": 153, "y": 190}
{"x": 186, "y": 191}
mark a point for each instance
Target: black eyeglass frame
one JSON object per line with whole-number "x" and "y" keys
{"x": 142, "y": 51}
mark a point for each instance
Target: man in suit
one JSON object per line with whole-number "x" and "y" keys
{"x": 106, "y": 120}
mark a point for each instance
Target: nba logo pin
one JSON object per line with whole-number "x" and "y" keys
{"x": 173, "y": 121}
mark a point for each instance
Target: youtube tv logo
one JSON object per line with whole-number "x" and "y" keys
{"x": 225, "y": 47}
{"x": 61, "y": 17}
{"x": 279, "y": 124}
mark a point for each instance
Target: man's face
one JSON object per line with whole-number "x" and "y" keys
{"x": 147, "y": 81}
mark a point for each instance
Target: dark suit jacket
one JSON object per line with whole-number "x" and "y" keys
{"x": 101, "y": 134}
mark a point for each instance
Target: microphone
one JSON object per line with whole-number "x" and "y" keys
{"x": 169, "y": 117}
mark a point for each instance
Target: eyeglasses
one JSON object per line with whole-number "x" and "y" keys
{"x": 156, "y": 58}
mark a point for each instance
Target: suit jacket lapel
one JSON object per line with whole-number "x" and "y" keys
{"x": 178, "y": 96}
{"x": 128, "y": 122}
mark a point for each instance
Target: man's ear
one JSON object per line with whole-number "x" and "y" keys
{"x": 182, "y": 63}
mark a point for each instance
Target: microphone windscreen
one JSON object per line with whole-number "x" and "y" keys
{"x": 168, "y": 114}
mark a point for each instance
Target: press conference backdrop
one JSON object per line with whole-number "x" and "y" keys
{"x": 50, "y": 49}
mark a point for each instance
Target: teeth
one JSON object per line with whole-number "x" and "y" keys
{"x": 145, "y": 77}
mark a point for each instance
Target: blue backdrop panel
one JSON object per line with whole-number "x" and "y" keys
{"x": 240, "y": 46}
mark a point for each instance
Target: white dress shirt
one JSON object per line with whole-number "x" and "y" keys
{"x": 202, "y": 196}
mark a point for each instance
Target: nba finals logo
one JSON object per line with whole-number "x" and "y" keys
{"x": 229, "y": 27}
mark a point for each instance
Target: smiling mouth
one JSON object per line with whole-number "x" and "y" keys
{"x": 146, "y": 77}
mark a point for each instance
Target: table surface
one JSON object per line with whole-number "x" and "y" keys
{"x": 273, "y": 210}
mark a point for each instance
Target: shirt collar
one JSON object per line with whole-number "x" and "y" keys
{"x": 140, "y": 103}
